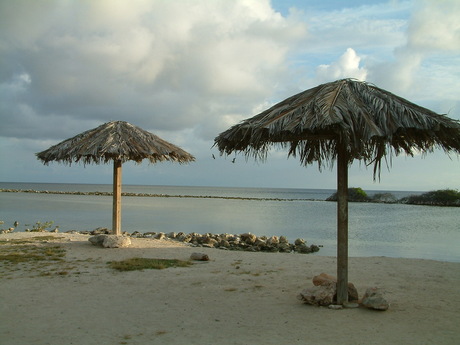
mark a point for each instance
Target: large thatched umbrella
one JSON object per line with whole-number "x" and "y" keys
{"x": 116, "y": 141}
{"x": 343, "y": 120}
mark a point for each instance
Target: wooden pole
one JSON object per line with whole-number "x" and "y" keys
{"x": 342, "y": 224}
{"x": 116, "y": 216}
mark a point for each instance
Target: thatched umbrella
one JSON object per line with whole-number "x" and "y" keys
{"x": 343, "y": 120}
{"x": 116, "y": 141}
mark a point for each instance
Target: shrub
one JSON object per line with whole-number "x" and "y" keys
{"x": 354, "y": 194}
{"x": 442, "y": 197}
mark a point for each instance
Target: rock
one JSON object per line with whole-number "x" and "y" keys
{"x": 211, "y": 242}
{"x": 322, "y": 295}
{"x": 160, "y": 236}
{"x": 172, "y": 235}
{"x": 284, "y": 240}
{"x": 110, "y": 241}
{"x": 299, "y": 242}
{"x": 302, "y": 248}
{"x": 374, "y": 299}
{"x": 350, "y": 305}
{"x": 97, "y": 240}
{"x": 335, "y": 306}
{"x": 224, "y": 244}
{"x": 273, "y": 241}
{"x": 113, "y": 241}
{"x": 284, "y": 248}
{"x": 324, "y": 279}
{"x": 248, "y": 238}
{"x": 260, "y": 243}
{"x": 98, "y": 231}
{"x": 199, "y": 257}
{"x": 314, "y": 248}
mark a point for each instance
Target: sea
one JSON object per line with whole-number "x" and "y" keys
{"x": 375, "y": 229}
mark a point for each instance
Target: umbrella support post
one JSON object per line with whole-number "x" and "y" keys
{"x": 116, "y": 216}
{"x": 342, "y": 225}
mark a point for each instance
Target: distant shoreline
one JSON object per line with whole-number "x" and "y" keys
{"x": 155, "y": 195}
{"x": 150, "y": 195}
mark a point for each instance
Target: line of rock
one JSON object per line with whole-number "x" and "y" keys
{"x": 243, "y": 242}
{"x": 149, "y": 195}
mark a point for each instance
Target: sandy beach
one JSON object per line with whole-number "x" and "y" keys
{"x": 234, "y": 298}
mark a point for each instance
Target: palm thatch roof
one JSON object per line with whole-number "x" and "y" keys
{"x": 117, "y": 141}
{"x": 371, "y": 122}
{"x": 342, "y": 121}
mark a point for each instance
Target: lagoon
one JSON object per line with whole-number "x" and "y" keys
{"x": 393, "y": 230}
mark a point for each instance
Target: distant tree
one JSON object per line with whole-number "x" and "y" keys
{"x": 441, "y": 197}
{"x": 354, "y": 194}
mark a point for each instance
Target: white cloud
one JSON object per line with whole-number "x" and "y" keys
{"x": 347, "y": 66}
{"x": 432, "y": 38}
{"x": 435, "y": 26}
{"x": 189, "y": 69}
{"x": 161, "y": 64}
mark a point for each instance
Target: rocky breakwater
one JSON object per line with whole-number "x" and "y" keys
{"x": 243, "y": 242}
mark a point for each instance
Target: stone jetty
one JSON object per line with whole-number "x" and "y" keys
{"x": 244, "y": 241}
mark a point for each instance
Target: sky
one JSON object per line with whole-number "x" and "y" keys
{"x": 187, "y": 70}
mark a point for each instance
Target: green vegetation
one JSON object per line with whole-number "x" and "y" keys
{"x": 357, "y": 194}
{"x": 40, "y": 227}
{"x": 33, "y": 255}
{"x": 443, "y": 197}
{"x": 354, "y": 194}
{"x": 146, "y": 263}
{"x": 27, "y": 253}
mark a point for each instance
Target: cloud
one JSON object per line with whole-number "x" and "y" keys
{"x": 347, "y": 66}
{"x": 166, "y": 65}
{"x": 432, "y": 39}
{"x": 187, "y": 70}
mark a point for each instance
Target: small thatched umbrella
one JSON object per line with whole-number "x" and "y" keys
{"x": 343, "y": 120}
{"x": 116, "y": 141}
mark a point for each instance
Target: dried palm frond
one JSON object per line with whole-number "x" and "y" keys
{"x": 371, "y": 122}
{"x": 116, "y": 140}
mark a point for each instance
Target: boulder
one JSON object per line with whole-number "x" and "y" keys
{"x": 110, "y": 241}
{"x": 97, "y": 240}
{"x": 284, "y": 240}
{"x": 324, "y": 279}
{"x": 159, "y": 236}
{"x": 302, "y": 248}
{"x": 248, "y": 238}
{"x": 199, "y": 257}
{"x": 322, "y": 295}
{"x": 273, "y": 241}
{"x": 299, "y": 242}
{"x": 98, "y": 231}
{"x": 113, "y": 241}
{"x": 373, "y": 299}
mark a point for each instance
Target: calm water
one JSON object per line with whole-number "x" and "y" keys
{"x": 374, "y": 229}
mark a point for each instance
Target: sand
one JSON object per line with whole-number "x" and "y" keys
{"x": 235, "y": 298}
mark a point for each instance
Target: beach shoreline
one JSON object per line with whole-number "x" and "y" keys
{"x": 234, "y": 298}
